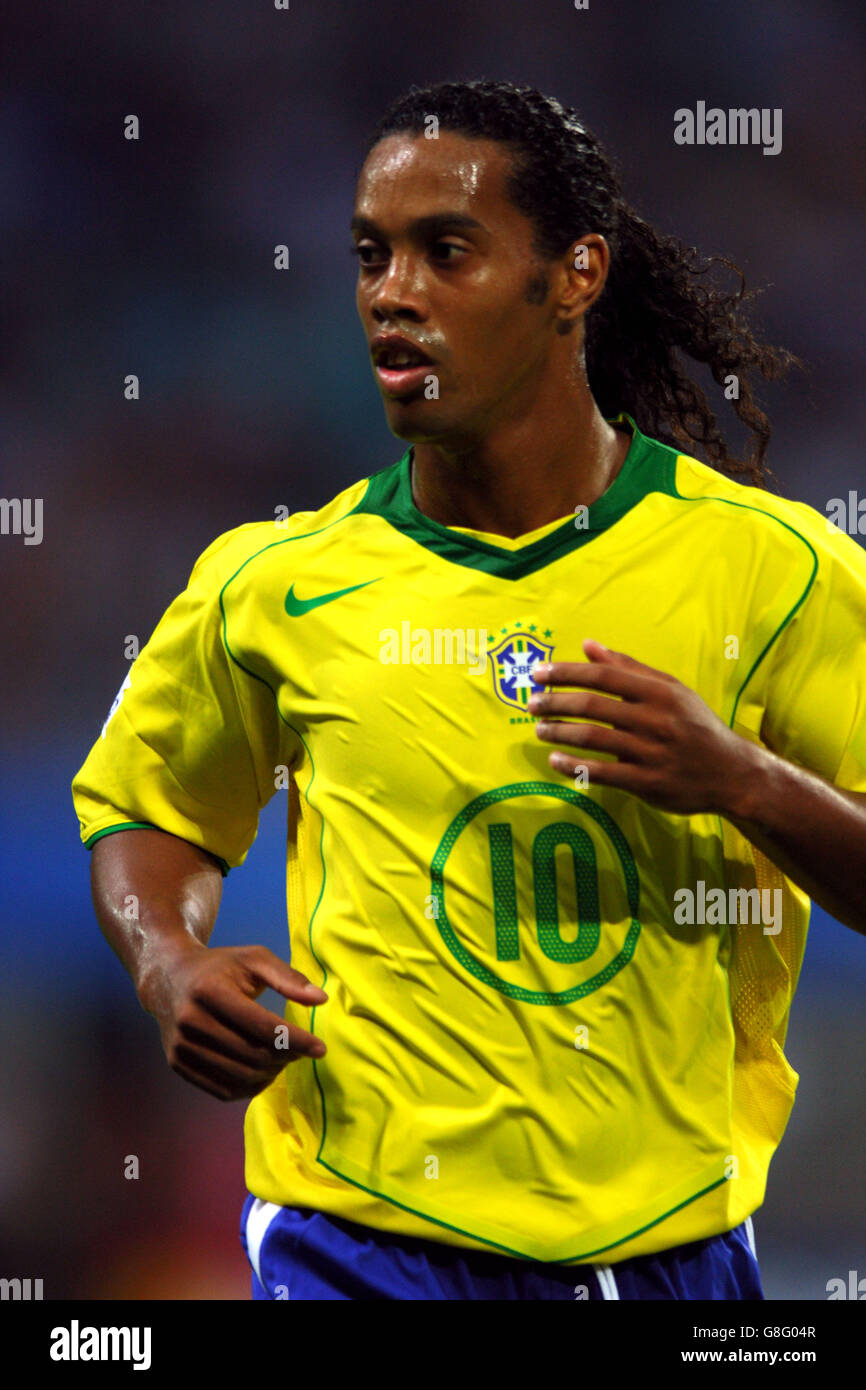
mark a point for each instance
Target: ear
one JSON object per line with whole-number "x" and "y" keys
{"x": 583, "y": 272}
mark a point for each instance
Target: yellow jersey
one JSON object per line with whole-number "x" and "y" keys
{"x": 533, "y": 1047}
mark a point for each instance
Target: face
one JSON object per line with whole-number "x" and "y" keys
{"x": 446, "y": 264}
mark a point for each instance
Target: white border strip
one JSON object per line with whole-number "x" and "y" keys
{"x": 606, "y": 1281}
{"x": 261, "y": 1214}
{"x": 750, "y": 1233}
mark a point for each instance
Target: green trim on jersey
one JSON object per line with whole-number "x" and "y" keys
{"x": 578, "y": 1257}
{"x": 648, "y": 467}
{"x": 148, "y": 825}
{"x": 127, "y": 824}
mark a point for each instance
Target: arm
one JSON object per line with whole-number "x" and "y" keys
{"x": 814, "y": 832}
{"x": 676, "y": 754}
{"x": 156, "y": 899}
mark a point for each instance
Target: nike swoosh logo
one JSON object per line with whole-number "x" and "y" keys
{"x": 296, "y": 607}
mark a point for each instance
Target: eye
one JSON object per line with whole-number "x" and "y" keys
{"x": 365, "y": 251}
{"x": 441, "y": 248}
{"x": 371, "y": 255}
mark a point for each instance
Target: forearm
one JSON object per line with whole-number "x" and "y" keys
{"x": 157, "y": 899}
{"x": 813, "y": 832}
{"x": 155, "y": 895}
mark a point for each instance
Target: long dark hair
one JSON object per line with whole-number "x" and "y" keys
{"x": 659, "y": 304}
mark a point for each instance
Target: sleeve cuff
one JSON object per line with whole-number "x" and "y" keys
{"x": 147, "y": 825}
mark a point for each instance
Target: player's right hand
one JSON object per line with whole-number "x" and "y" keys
{"x": 214, "y": 1034}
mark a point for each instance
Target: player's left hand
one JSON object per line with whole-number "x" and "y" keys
{"x": 673, "y": 751}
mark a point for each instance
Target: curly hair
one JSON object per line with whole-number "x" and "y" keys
{"x": 657, "y": 307}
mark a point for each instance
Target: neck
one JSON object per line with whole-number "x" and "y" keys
{"x": 524, "y": 474}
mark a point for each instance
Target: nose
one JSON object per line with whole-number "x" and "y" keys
{"x": 399, "y": 292}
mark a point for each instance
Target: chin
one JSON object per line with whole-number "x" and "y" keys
{"x": 418, "y": 422}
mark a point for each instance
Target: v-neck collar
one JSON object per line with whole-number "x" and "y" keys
{"x": 648, "y": 466}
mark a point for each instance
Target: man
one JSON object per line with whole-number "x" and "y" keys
{"x": 541, "y": 970}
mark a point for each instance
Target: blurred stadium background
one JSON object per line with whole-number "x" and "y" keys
{"x": 156, "y": 257}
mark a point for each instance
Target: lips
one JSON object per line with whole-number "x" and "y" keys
{"x": 401, "y": 366}
{"x": 392, "y": 351}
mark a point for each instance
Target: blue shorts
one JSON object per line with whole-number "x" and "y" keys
{"x": 298, "y": 1253}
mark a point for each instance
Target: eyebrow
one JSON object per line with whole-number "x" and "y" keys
{"x": 434, "y": 223}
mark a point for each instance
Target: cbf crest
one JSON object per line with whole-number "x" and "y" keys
{"x": 511, "y": 662}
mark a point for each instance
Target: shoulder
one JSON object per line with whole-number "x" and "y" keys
{"x": 778, "y": 524}
{"x": 233, "y": 551}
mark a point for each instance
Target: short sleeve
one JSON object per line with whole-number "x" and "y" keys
{"x": 815, "y": 712}
{"x": 192, "y": 742}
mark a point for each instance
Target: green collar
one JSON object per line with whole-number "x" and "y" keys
{"x": 648, "y": 467}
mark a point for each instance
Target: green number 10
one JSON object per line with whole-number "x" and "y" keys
{"x": 546, "y": 902}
